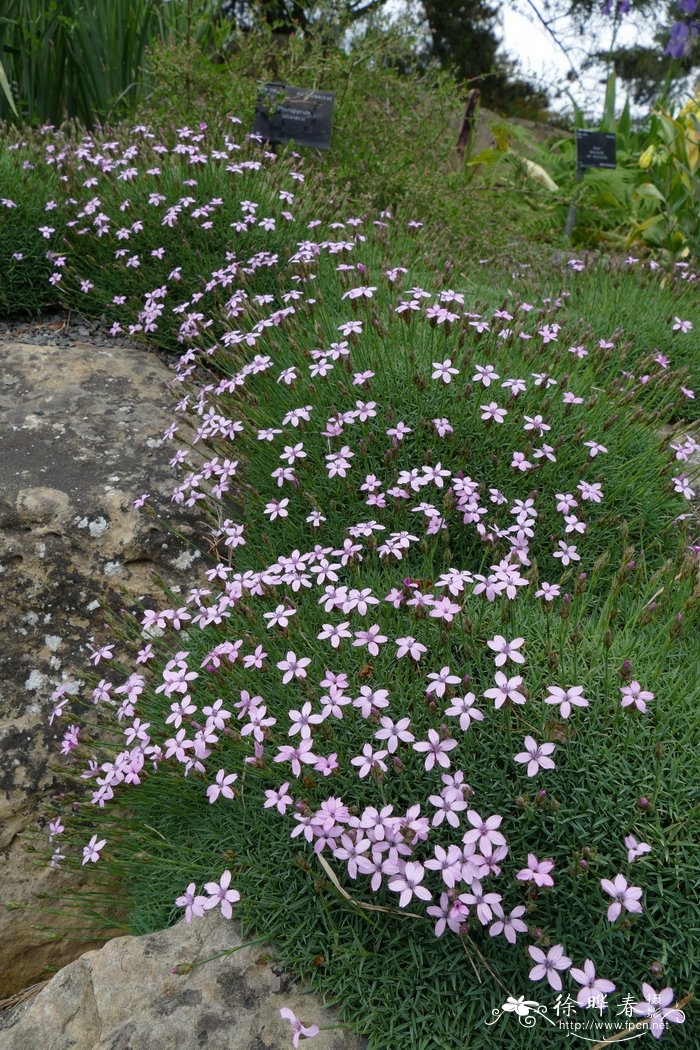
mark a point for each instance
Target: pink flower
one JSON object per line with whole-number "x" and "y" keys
{"x": 394, "y": 732}
{"x": 335, "y": 633}
{"x": 219, "y": 893}
{"x": 298, "y": 1029}
{"x": 548, "y": 965}
{"x": 567, "y": 552}
{"x": 635, "y": 849}
{"x": 91, "y": 852}
{"x": 511, "y": 926}
{"x": 440, "y": 680}
{"x": 624, "y": 897}
{"x": 537, "y": 871}
{"x": 657, "y": 1006}
{"x": 408, "y": 646}
{"x": 222, "y": 786}
{"x": 593, "y": 989}
{"x": 369, "y": 760}
{"x": 566, "y": 699}
{"x": 633, "y": 694}
{"x": 408, "y": 883}
{"x": 293, "y": 666}
{"x": 484, "y": 833}
{"x": 435, "y": 749}
{"x": 506, "y": 650}
{"x": 505, "y": 689}
{"x": 279, "y": 798}
{"x": 192, "y": 904}
{"x": 548, "y": 592}
{"x": 493, "y": 411}
{"x": 462, "y": 707}
{"x": 536, "y": 755}
{"x": 371, "y": 638}
{"x": 444, "y": 370}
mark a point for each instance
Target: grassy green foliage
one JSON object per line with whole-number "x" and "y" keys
{"x": 75, "y": 58}
{"x": 28, "y": 186}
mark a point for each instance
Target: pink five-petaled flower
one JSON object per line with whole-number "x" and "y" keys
{"x": 444, "y": 370}
{"x": 567, "y": 553}
{"x": 298, "y": 1029}
{"x": 635, "y": 849}
{"x": 91, "y": 852}
{"x": 511, "y": 926}
{"x": 463, "y": 707}
{"x": 408, "y": 646}
{"x": 593, "y": 989}
{"x": 435, "y": 749}
{"x": 536, "y": 755}
{"x": 505, "y": 689}
{"x": 567, "y": 698}
{"x": 369, "y": 761}
{"x": 293, "y": 666}
{"x": 624, "y": 897}
{"x": 548, "y": 965}
{"x": 633, "y": 694}
{"x": 219, "y": 893}
{"x": 222, "y": 786}
{"x": 537, "y": 871}
{"x": 407, "y": 883}
{"x": 192, "y": 904}
{"x": 657, "y": 1006}
{"x": 484, "y": 833}
{"x": 440, "y": 680}
{"x": 279, "y": 798}
{"x": 506, "y": 650}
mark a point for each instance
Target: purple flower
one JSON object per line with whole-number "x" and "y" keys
{"x": 484, "y": 833}
{"x": 678, "y": 40}
{"x": 435, "y": 749}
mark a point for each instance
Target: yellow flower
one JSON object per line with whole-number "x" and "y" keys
{"x": 647, "y": 157}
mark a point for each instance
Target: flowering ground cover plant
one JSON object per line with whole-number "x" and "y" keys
{"x": 97, "y": 222}
{"x": 428, "y": 719}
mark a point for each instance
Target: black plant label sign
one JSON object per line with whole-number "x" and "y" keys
{"x": 595, "y": 149}
{"x": 291, "y": 114}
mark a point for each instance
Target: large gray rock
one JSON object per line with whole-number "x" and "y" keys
{"x": 125, "y": 997}
{"x": 80, "y": 430}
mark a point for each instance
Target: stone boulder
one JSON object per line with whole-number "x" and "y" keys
{"x": 126, "y": 997}
{"x": 81, "y": 428}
